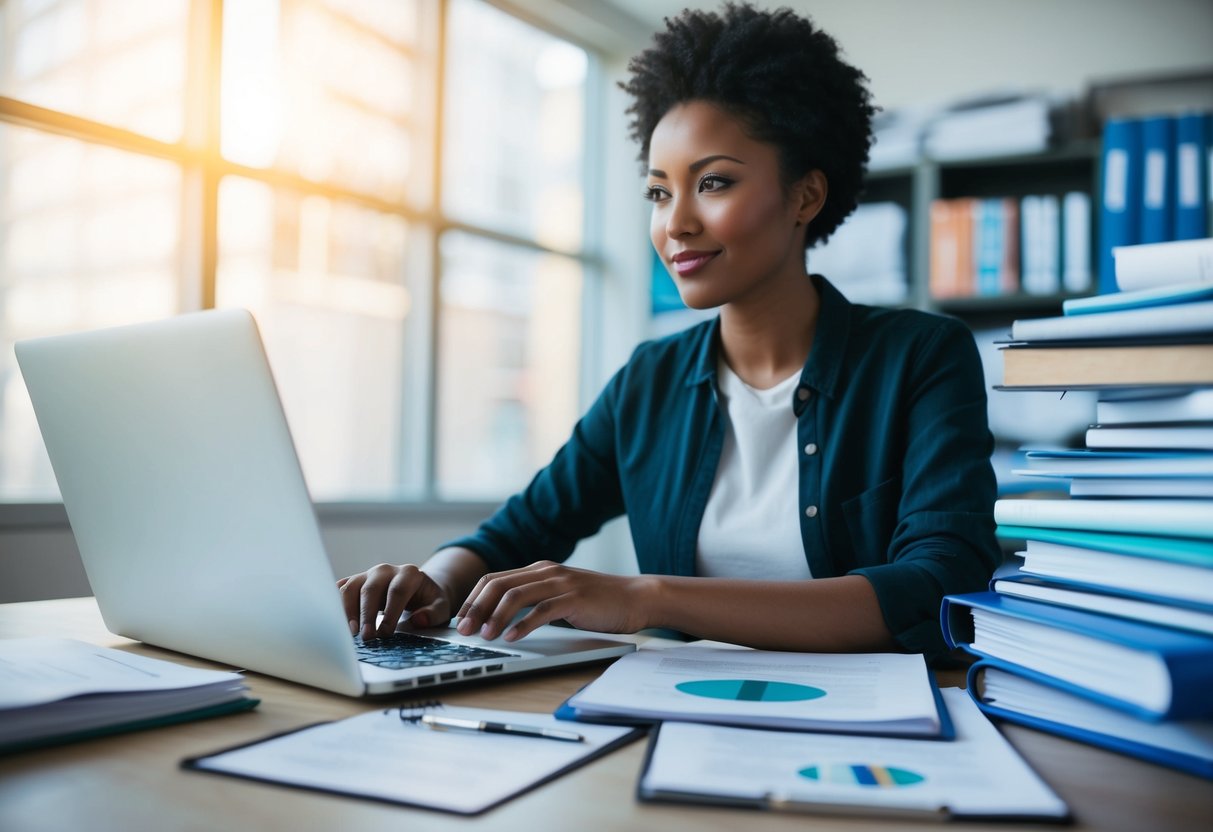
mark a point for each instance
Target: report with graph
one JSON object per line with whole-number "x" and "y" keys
{"x": 889, "y": 694}
{"x": 978, "y": 775}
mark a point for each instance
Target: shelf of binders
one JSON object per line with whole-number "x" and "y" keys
{"x": 1005, "y": 194}
{"x": 1012, "y": 236}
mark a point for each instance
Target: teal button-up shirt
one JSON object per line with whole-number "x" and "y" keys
{"x": 895, "y": 482}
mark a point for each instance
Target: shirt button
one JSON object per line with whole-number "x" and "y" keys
{"x": 811, "y": 511}
{"x": 803, "y": 394}
{"x": 810, "y": 448}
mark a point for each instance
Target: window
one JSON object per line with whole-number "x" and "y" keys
{"x": 160, "y": 156}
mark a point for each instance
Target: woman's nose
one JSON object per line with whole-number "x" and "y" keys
{"x": 683, "y": 218}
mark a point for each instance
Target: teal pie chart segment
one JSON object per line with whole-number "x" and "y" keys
{"x": 750, "y": 690}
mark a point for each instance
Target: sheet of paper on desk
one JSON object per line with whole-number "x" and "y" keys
{"x": 873, "y": 693}
{"x": 34, "y": 671}
{"x": 977, "y": 775}
{"x": 377, "y": 755}
{"x": 54, "y": 689}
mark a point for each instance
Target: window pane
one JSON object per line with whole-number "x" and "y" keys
{"x": 334, "y": 91}
{"x": 326, "y": 282}
{"x": 512, "y": 153}
{"x": 509, "y": 352}
{"x": 122, "y": 62}
{"x": 89, "y": 237}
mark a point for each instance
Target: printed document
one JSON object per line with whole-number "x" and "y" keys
{"x": 978, "y": 774}
{"x": 870, "y": 693}
{"x": 56, "y": 689}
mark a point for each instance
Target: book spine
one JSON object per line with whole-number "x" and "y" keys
{"x": 1167, "y": 518}
{"x": 1157, "y": 220}
{"x": 987, "y": 246}
{"x": 1008, "y": 275}
{"x": 1192, "y": 149}
{"x": 1185, "y": 551}
{"x": 966, "y": 281}
{"x": 1076, "y": 241}
{"x": 944, "y": 250}
{"x": 1176, "y": 319}
{"x": 1120, "y": 200}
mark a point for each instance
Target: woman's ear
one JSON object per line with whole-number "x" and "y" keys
{"x": 809, "y": 196}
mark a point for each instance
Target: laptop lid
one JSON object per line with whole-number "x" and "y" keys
{"x": 189, "y": 506}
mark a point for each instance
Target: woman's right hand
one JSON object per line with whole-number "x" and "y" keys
{"x": 393, "y": 590}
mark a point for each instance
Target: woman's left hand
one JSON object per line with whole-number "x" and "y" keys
{"x": 587, "y": 600}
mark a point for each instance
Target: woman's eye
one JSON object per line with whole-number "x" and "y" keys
{"x": 654, "y": 193}
{"x": 713, "y": 182}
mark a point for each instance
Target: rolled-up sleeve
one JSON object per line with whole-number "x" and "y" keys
{"x": 943, "y": 541}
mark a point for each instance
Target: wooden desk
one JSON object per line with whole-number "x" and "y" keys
{"x": 131, "y": 782}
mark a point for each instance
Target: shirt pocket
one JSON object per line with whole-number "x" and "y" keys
{"x": 871, "y": 519}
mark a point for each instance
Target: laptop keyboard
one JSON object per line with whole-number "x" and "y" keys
{"x": 403, "y": 650}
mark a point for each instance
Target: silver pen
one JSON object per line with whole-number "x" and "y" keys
{"x": 452, "y": 723}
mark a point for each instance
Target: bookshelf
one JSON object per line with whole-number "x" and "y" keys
{"x": 1075, "y": 167}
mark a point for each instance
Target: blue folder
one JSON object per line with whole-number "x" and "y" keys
{"x": 1184, "y": 746}
{"x": 1193, "y": 143}
{"x": 1158, "y": 180}
{"x": 1188, "y": 657}
{"x": 1120, "y": 201}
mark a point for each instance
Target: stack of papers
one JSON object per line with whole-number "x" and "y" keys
{"x": 60, "y": 690}
{"x": 890, "y": 694}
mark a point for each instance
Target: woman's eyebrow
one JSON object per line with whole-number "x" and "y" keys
{"x": 697, "y": 166}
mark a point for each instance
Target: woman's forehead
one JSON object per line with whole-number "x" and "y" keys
{"x": 698, "y": 127}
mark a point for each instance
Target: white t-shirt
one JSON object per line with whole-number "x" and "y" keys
{"x": 751, "y": 525}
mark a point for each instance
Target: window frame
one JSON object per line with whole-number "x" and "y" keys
{"x": 203, "y": 167}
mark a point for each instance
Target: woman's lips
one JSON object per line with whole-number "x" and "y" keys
{"x": 687, "y": 263}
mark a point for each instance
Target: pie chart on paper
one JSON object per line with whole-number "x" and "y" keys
{"x": 750, "y": 690}
{"x": 863, "y": 775}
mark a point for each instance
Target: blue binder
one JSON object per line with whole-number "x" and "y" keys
{"x": 1120, "y": 200}
{"x": 1157, "y": 180}
{"x": 1193, "y": 142}
{"x": 1188, "y": 657}
{"x": 1185, "y": 746}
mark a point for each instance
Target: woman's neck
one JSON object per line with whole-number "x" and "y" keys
{"x": 767, "y": 339}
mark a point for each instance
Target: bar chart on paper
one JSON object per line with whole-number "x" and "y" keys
{"x": 750, "y": 690}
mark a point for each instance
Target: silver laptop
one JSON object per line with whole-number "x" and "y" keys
{"x": 194, "y": 523}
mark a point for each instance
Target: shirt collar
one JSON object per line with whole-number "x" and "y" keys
{"x": 821, "y": 371}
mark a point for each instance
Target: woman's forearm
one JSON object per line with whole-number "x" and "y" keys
{"x": 824, "y": 615}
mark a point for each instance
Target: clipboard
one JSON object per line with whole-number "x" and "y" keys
{"x": 858, "y": 776}
{"x": 381, "y": 757}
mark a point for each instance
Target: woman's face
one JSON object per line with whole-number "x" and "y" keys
{"x": 722, "y": 221}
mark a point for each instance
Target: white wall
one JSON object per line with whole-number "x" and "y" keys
{"x": 921, "y": 52}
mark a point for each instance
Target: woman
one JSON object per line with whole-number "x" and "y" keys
{"x": 799, "y": 473}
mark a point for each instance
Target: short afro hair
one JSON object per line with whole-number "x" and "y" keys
{"x": 779, "y": 74}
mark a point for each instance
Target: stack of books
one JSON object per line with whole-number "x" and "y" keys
{"x": 1104, "y": 631}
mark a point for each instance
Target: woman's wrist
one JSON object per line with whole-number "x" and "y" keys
{"x": 649, "y": 604}
{"x": 455, "y": 570}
